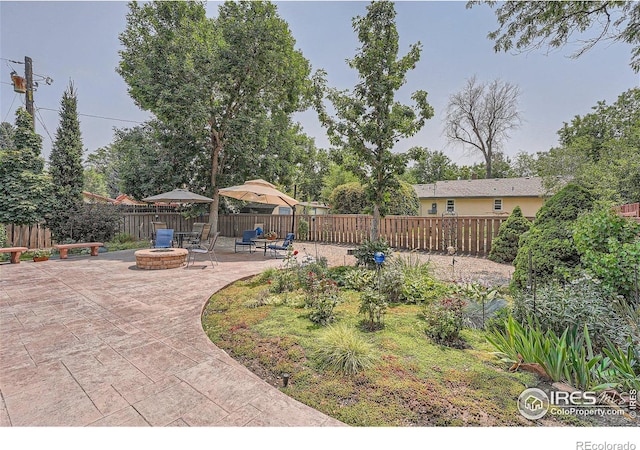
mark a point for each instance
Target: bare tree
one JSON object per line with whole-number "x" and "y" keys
{"x": 481, "y": 115}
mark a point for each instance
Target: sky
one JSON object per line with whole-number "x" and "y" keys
{"x": 78, "y": 41}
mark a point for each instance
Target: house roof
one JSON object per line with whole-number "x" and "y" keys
{"x": 492, "y": 187}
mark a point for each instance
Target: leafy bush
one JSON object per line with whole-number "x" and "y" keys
{"x": 609, "y": 247}
{"x": 348, "y": 198}
{"x": 283, "y": 280}
{"x": 351, "y": 198}
{"x": 303, "y": 229}
{"x": 581, "y": 302}
{"x": 364, "y": 253}
{"x": 3, "y": 236}
{"x": 444, "y": 320}
{"x": 338, "y": 273}
{"x": 123, "y": 238}
{"x": 322, "y": 297}
{"x": 391, "y": 283}
{"x": 358, "y": 278}
{"x": 342, "y": 349}
{"x": 92, "y": 223}
{"x": 505, "y": 246}
{"x": 423, "y": 289}
{"x": 374, "y": 306}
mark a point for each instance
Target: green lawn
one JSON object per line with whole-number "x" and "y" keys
{"x": 413, "y": 383}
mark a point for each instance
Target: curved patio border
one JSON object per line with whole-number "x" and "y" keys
{"x": 96, "y": 342}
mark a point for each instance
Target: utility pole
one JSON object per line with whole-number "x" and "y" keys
{"x": 28, "y": 74}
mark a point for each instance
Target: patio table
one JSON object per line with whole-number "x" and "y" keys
{"x": 181, "y": 235}
{"x": 262, "y": 243}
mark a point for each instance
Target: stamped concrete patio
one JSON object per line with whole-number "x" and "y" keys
{"x": 94, "y": 341}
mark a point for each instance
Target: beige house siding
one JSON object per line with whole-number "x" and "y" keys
{"x": 482, "y": 206}
{"x": 478, "y": 197}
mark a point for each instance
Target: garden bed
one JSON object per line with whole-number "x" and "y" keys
{"x": 413, "y": 381}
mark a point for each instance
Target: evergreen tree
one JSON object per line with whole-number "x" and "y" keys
{"x": 66, "y": 167}
{"x": 505, "y": 246}
{"x": 24, "y": 188}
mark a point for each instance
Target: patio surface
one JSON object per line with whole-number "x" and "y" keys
{"x": 94, "y": 341}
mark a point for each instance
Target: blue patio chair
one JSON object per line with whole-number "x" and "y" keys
{"x": 164, "y": 238}
{"x": 247, "y": 240}
{"x": 288, "y": 241}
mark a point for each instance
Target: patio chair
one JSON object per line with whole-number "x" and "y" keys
{"x": 247, "y": 240}
{"x": 288, "y": 241}
{"x": 164, "y": 238}
{"x": 202, "y": 236}
{"x": 156, "y": 226}
{"x": 195, "y": 250}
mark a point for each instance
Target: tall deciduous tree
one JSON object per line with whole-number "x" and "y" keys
{"x": 481, "y": 115}
{"x": 552, "y": 24}
{"x": 600, "y": 150}
{"x": 369, "y": 121}
{"x": 212, "y": 76}
{"x": 65, "y": 167}
{"x": 24, "y": 188}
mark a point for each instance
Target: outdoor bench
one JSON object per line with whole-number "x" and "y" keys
{"x": 15, "y": 253}
{"x": 64, "y": 248}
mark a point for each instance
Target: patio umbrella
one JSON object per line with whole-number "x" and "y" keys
{"x": 259, "y": 191}
{"x": 178, "y": 196}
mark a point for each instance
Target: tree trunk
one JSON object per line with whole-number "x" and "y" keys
{"x": 375, "y": 223}
{"x": 216, "y": 147}
{"x": 488, "y": 161}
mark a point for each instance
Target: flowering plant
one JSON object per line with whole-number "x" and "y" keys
{"x": 40, "y": 253}
{"x": 270, "y": 235}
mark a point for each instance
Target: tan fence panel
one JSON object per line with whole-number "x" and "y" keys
{"x": 475, "y": 234}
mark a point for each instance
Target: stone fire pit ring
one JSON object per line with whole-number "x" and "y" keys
{"x": 160, "y": 258}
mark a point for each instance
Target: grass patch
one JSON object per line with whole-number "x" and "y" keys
{"x": 407, "y": 381}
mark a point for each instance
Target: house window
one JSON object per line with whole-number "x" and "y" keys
{"x": 497, "y": 204}
{"x": 451, "y": 205}
{"x": 284, "y": 210}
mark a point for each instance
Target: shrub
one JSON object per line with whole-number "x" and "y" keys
{"x": 342, "y": 349}
{"x": 550, "y": 241}
{"x": 391, "y": 283}
{"x": 505, "y": 246}
{"x": 444, "y": 320}
{"x": 338, "y": 273}
{"x": 423, "y": 289}
{"x": 609, "y": 247}
{"x": 322, "y": 297}
{"x": 92, "y": 223}
{"x": 123, "y": 238}
{"x": 580, "y": 302}
{"x": 348, "y": 198}
{"x": 3, "y": 236}
{"x": 358, "y": 278}
{"x": 283, "y": 280}
{"x": 364, "y": 253}
{"x": 303, "y": 229}
{"x": 374, "y": 306}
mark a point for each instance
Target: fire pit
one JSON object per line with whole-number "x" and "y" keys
{"x": 160, "y": 258}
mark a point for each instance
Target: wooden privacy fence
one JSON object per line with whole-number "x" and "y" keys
{"x": 137, "y": 224}
{"x": 469, "y": 235}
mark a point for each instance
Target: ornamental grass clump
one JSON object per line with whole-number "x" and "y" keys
{"x": 343, "y": 350}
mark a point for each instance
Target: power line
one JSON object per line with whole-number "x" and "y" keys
{"x": 9, "y": 111}
{"x": 95, "y": 117}
{"x": 43, "y": 125}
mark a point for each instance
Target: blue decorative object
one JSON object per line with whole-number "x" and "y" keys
{"x": 378, "y": 257}
{"x": 259, "y": 231}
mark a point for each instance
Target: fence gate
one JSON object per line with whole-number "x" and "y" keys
{"x": 449, "y": 231}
